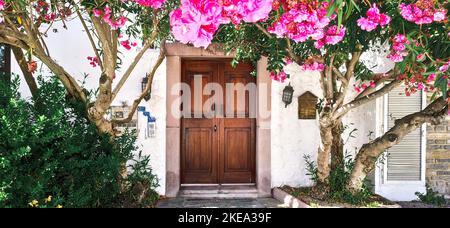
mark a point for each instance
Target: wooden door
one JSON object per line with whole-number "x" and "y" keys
{"x": 220, "y": 149}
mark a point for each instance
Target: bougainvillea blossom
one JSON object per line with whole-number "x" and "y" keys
{"x": 373, "y": 19}
{"x": 93, "y": 61}
{"x": 196, "y": 21}
{"x": 155, "y": 4}
{"x": 308, "y": 20}
{"x": 279, "y": 77}
{"x": 315, "y": 66}
{"x": 2, "y": 4}
{"x": 108, "y": 17}
{"x": 247, "y": 10}
{"x": 398, "y": 48}
{"x": 422, "y": 12}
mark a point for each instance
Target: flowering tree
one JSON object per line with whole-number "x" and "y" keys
{"x": 330, "y": 37}
{"x": 108, "y": 25}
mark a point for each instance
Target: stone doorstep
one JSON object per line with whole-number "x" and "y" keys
{"x": 219, "y": 192}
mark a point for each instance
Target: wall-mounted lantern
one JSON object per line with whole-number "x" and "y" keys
{"x": 143, "y": 87}
{"x": 288, "y": 93}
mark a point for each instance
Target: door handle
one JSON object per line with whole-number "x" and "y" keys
{"x": 215, "y": 128}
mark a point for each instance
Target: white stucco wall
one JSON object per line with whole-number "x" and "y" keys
{"x": 70, "y": 48}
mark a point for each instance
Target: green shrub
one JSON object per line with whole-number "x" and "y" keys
{"x": 431, "y": 197}
{"x": 51, "y": 155}
{"x": 337, "y": 180}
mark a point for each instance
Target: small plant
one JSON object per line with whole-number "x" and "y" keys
{"x": 141, "y": 183}
{"x": 337, "y": 182}
{"x": 311, "y": 168}
{"x": 431, "y": 197}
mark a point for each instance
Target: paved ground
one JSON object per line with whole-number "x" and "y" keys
{"x": 219, "y": 203}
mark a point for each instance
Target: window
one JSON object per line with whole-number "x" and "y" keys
{"x": 404, "y": 160}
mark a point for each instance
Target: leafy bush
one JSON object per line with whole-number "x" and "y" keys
{"x": 431, "y": 197}
{"x": 51, "y": 155}
{"x": 336, "y": 186}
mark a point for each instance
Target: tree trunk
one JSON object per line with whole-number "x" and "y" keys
{"x": 103, "y": 126}
{"x": 324, "y": 152}
{"x": 367, "y": 156}
{"x": 23, "y": 64}
{"x": 337, "y": 148}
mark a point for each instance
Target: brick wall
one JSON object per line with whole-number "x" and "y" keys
{"x": 438, "y": 157}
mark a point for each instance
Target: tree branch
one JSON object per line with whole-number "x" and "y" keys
{"x": 130, "y": 69}
{"x": 21, "y": 60}
{"x": 21, "y": 40}
{"x": 329, "y": 94}
{"x": 366, "y": 99}
{"x": 379, "y": 79}
{"x": 148, "y": 88}
{"x": 148, "y": 43}
{"x": 91, "y": 39}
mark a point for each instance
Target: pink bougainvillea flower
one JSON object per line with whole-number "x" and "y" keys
{"x": 93, "y": 61}
{"x": 398, "y": 48}
{"x": 423, "y": 14}
{"x": 2, "y": 4}
{"x": 303, "y": 21}
{"x": 126, "y": 44}
{"x": 196, "y": 21}
{"x": 97, "y": 12}
{"x": 373, "y": 19}
{"x": 420, "y": 86}
{"x": 421, "y": 57}
{"x": 444, "y": 68}
{"x": 247, "y": 10}
{"x": 155, "y": 4}
{"x": 315, "y": 66}
{"x": 50, "y": 17}
{"x": 288, "y": 60}
{"x": 431, "y": 78}
{"x": 334, "y": 35}
{"x": 106, "y": 15}
{"x": 279, "y": 77}
{"x": 366, "y": 24}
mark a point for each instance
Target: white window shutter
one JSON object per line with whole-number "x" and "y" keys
{"x": 404, "y": 159}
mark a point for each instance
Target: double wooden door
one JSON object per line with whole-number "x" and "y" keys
{"x": 217, "y": 148}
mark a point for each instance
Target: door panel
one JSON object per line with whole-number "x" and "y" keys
{"x": 218, "y": 150}
{"x": 237, "y": 148}
{"x": 198, "y": 152}
{"x": 237, "y": 151}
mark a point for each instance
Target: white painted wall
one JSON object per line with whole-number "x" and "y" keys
{"x": 70, "y": 48}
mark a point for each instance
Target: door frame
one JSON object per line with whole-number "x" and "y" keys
{"x": 175, "y": 53}
{"x": 219, "y": 137}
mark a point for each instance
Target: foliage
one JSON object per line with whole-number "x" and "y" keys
{"x": 311, "y": 168}
{"x": 51, "y": 155}
{"x": 337, "y": 181}
{"x": 431, "y": 197}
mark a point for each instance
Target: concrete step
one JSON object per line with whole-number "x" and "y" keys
{"x": 223, "y": 192}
